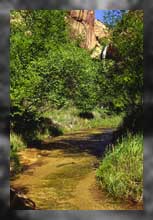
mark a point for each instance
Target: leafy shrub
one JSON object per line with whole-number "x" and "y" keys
{"x": 30, "y": 39}
{"x": 46, "y": 68}
{"x": 67, "y": 73}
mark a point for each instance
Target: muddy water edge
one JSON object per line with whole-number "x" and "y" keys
{"x": 60, "y": 173}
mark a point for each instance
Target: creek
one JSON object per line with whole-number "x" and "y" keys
{"x": 60, "y": 174}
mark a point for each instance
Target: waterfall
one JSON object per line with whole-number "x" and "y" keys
{"x": 103, "y": 56}
{"x": 104, "y": 52}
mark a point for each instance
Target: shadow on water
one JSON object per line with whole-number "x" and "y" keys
{"x": 79, "y": 142}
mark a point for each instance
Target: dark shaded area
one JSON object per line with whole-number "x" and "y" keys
{"x": 4, "y": 119}
{"x": 86, "y": 115}
{"x": 47, "y": 124}
{"x": 94, "y": 144}
{"x": 18, "y": 202}
{"x": 112, "y": 53}
{"x": 132, "y": 123}
{"x": 28, "y": 125}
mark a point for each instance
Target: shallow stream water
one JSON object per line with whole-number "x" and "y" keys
{"x": 60, "y": 173}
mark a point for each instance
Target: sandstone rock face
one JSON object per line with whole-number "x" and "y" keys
{"x": 96, "y": 53}
{"x": 100, "y": 29}
{"x": 84, "y": 24}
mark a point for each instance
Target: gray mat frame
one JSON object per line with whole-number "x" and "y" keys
{"x": 5, "y": 7}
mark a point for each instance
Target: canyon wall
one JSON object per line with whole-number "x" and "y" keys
{"x": 84, "y": 25}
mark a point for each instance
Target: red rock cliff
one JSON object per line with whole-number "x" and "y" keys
{"x": 84, "y": 24}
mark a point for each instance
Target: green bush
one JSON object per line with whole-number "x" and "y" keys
{"x": 47, "y": 69}
{"x": 32, "y": 32}
{"x": 121, "y": 170}
{"x": 67, "y": 74}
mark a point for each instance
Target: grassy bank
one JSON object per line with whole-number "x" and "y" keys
{"x": 121, "y": 170}
{"x": 69, "y": 120}
{"x": 17, "y": 144}
{"x": 58, "y": 122}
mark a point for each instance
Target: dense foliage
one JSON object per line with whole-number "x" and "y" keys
{"x": 51, "y": 73}
{"x": 29, "y": 41}
{"x": 67, "y": 74}
{"x": 46, "y": 68}
{"x": 49, "y": 70}
{"x": 123, "y": 78}
{"x": 128, "y": 38}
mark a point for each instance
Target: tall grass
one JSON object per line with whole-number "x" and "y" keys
{"x": 121, "y": 170}
{"x": 17, "y": 144}
{"x": 69, "y": 120}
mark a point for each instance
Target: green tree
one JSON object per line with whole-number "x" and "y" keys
{"x": 68, "y": 74}
{"x": 47, "y": 68}
{"x": 124, "y": 81}
{"x": 128, "y": 38}
{"x": 32, "y": 33}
